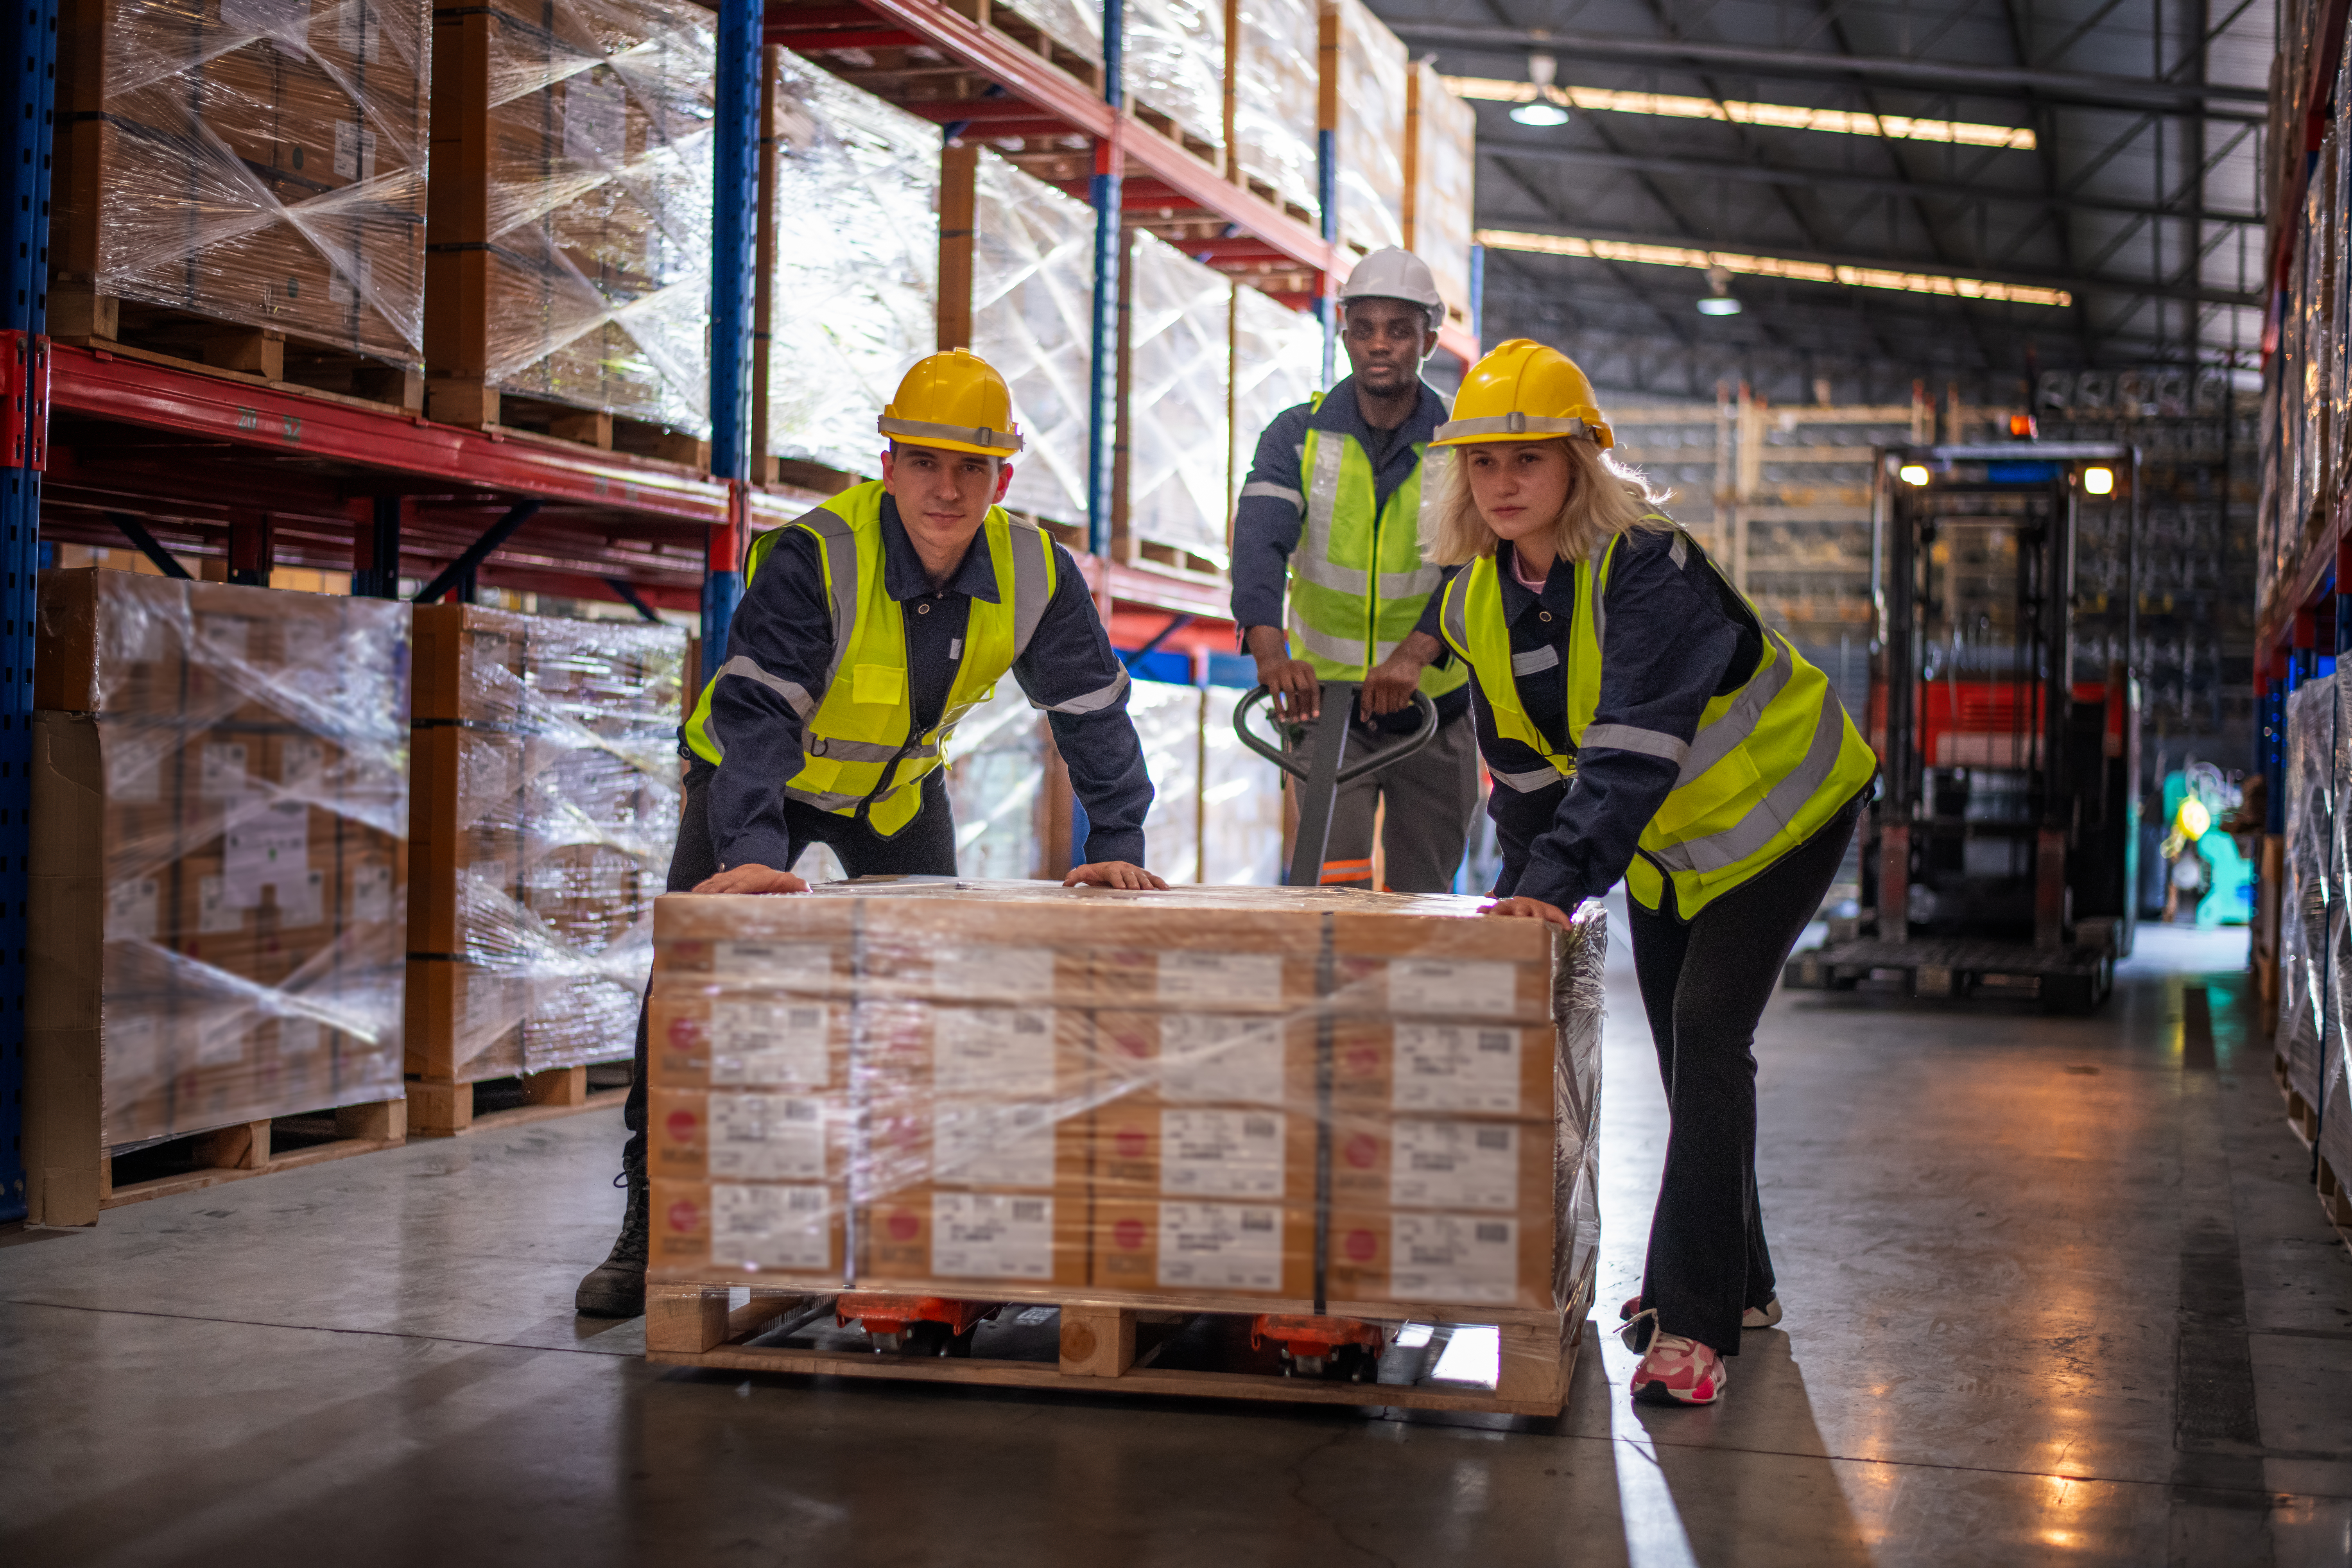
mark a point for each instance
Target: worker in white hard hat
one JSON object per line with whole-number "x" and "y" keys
{"x": 1329, "y": 521}
{"x": 868, "y": 627}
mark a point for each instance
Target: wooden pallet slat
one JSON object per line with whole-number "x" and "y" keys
{"x": 243, "y": 1149}
{"x": 441, "y": 1109}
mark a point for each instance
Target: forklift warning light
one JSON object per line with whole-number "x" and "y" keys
{"x": 1912, "y": 473}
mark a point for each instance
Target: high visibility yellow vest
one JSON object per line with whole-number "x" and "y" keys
{"x": 1772, "y": 762}
{"x": 859, "y": 747}
{"x": 1357, "y": 580}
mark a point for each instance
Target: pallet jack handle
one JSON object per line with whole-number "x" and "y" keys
{"x": 1322, "y": 775}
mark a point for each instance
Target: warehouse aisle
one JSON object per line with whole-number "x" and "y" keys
{"x": 2057, "y": 1293}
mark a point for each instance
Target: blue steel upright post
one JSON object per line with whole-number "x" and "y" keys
{"x": 1326, "y": 191}
{"x": 1102, "y": 193}
{"x": 735, "y": 233}
{"x": 30, "y": 102}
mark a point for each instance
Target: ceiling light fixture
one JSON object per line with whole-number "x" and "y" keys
{"x": 1541, "y": 106}
{"x": 1542, "y": 95}
{"x": 1773, "y": 267}
{"x": 1719, "y": 302}
{"x": 2099, "y": 481}
{"x": 1914, "y": 474}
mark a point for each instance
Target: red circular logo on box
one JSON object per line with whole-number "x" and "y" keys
{"x": 1363, "y": 1061}
{"x": 1133, "y": 1045}
{"x": 1131, "y": 1142}
{"x": 681, "y": 1125}
{"x": 1126, "y": 1235}
{"x": 685, "y": 1032}
{"x": 1361, "y": 1246}
{"x": 684, "y": 1216}
{"x": 1363, "y": 1151}
{"x": 905, "y": 1225}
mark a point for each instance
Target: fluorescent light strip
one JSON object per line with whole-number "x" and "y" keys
{"x": 1781, "y": 116}
{"x": 1774, "y": 266}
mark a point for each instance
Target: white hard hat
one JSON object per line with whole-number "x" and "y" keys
{"x": 1393, "y": 274}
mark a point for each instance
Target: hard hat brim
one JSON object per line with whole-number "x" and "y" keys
{"x": 952, "y": 437}
{"x": 1511, "y": 427}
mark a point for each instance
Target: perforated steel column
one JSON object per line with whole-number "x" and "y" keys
{"x": 1102, "y": 191}
{"x": 734, "y": 285}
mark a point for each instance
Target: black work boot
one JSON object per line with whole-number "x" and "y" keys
{"x": 617, "y": 1287}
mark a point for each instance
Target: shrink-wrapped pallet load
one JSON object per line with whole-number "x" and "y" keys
{"x": 1251, "y": 1100}
{"x": 1033, "y": 290}
{"x": 570, "y": 218}
{"x": 1075, "y": 24}
{"x": 996, "y": 772}
{"x": 2307, "y": 1013}
{"x": 252, "y": 162}
{"x": 1277, "y": 364}
{"x": 1440, "y": 167}
{"x": 546, "y": 806}
{"x": 1271, "y": 85}
{"x": 220, "y": 878}
{"x": 1365, "y": 76}
{"x": 1241, "y": 799}
{"x": 857, "y": 281}
{"x": 1178, "y": 430}
{"x": 1174, "y": 54}
{"x": 1167, "y": 718}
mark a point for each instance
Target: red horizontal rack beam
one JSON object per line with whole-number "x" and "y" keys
{"x": 2299, "y": 590}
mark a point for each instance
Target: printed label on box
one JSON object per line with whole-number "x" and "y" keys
{"x": 1015, "y": 973}
{"x": 269, "y": 849}
{"x": 1209, "y": 978}
{"x": 771, "y": 1227}
{"x": 298, "y": 1036}
{"x": 993, "y": 1051}
{"x": 1453, "y": 1257}
{"x": 1445, "y": 1066}
{"x": 354, "y": 151}
{"x": 1480, "y": 988}
{"x": 1453, "y": 1165}
{"x": 1204, "y": 1056}
{"x": 223, "y": 771}
{"x": 134, "y": 773}
{"x": 131, "y": 906}
{"x": 370, "y": 892}
{"x": 993, "y": 1235}
{"x": 764, "y": 1042}
{"x": 1221, "y": 1154}
{"x": 302, "y": 899}
{"x": 988, "y": 1145}
{"x": 229, "y": 639}
{"x": 215, "y": 915}
{"x": 773, "y": 962}
{"x": 349, "y": 279}
{"x": 356, "y": 28}
{"x": 767, "y": 1137}
{"x": 221, "y": 1044}
{"x": 301, "y": 760}
{"x": 1220, "y": 1247}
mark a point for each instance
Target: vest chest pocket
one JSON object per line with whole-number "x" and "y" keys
{"x": 884, "y": 685}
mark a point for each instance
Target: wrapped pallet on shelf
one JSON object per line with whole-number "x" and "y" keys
{"x": 1177, "y": 438}
{"x": 1439, "y": 171}
{"x": 1167, "y": 720}
{"x": 219, "y": 884}
{"x": 2306, "y": 1011}
{"x": 1216, "y": 1134}
{"x": 996, "y": 781}
{"x": 1068, "y": 32}
{"x": 1241, "y": 801}
{"x": 546, "y": 807}
{"x": 243, "y": 185}
{"x": 1271, "y": 84}
{"x": 1033, "y": 292}
{"x": 1365, "y": 71}
{"x": 1174, "y": 54}
{"x": 1277, "y": 364}
{"x": 856, "y": 277}
{"x": 570, "y": 225}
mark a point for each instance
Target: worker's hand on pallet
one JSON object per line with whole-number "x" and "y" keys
{"x": 1112, "y": 874}
{"x": 1389, "y": 685}
{"x": 1529, "y": 910}
{"x": 1296, "y": 689}
{"x": 748, "y": 879}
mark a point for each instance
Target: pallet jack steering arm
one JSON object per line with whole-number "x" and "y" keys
{"x": 1320, "y": 778}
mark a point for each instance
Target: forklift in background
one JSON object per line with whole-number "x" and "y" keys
{"x": 2000, "y": 857}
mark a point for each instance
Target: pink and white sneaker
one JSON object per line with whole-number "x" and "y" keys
{"x": 1676, "y": 1371}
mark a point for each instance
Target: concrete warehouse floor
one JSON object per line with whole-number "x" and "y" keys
{"x": 2056, "y": 1289}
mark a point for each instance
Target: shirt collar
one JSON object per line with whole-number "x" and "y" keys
{"x": 1558, "y": 593}
{"x": 902, "y": 569}
{"x": 1339, "y": 413}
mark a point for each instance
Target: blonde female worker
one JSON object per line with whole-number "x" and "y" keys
{"x": 1642, "y": 722}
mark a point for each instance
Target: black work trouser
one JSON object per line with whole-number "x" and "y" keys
{"x": 924, "y": 847}
{"x": 1704, "y": 985}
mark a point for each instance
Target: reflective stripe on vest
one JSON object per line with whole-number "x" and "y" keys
{"x": 858, "y": 749}
{"x": 1770, "y": 763}
{"x": 1357, "y": 582}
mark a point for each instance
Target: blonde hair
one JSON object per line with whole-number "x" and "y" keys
{"x": 1605, "y": 499}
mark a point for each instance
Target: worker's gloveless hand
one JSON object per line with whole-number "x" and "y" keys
{"x": 751, "y": 879}
{"x": 1112, "y": 874}
{"x": 1390, "y": 684}
{"x": 1529, "y": 910}
{"x": 1298, "y": 690}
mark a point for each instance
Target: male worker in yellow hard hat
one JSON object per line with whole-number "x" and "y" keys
{"x": 868, "y": 627}
{"x": 1329, "y": 511}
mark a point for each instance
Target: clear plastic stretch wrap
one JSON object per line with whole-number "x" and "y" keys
{"x": 856, "y": 294}
{"x": 1274, "y": 83}
{"x": 2307, "y": 1013}
{"x": 1444, "y": 131}
{"x": 599, "y": 201}
{"x": 1075, "y": 24}
{"x": 996, "y": 769}
{"x": 1368, "y": 139}
{"x": 1240, "y": 802}
{"x": 221, "y": 873}
{"x": 1175, "y": 60}
{"x": 1179, "y": 432}
{"x": 1032, "y": 300}
{"x": 1257, "y": 1100}
{"x": 547, "y": 805}
{"x": 2336, "y": 1040}
{"x": 259, "y": 161}
{"x": 1167, "y": 720}
{"x": 1277, "y": 364}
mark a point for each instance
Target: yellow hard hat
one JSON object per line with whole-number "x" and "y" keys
{"x": 1523, "y": 391}
{"x": 954, "y": 400}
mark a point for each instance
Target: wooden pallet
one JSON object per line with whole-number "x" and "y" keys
{"x": 1068, "y": 59}
{"x": 1169, "y": 1348}
{"x": 456, "y": 401}
{"x": 2303, "y": 1119}
{"x": 234, "y": 1152}
{"x": 232, "y": 350}
{"x": 439, "y": 1108}
{"x": 1263, "y": 190}
{"x": 1201, "y": 147}
{"x": 1177, "y": 558}
{"x": 2073, "y": 979}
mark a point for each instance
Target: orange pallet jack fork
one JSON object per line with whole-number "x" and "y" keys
{"x": 1312, "y": 1346}
{"x": 926, "y": 1325}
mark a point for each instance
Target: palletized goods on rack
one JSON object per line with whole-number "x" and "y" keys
{"x": 1277, "y": 364}
{"x": 1167, "y": 718}
{"x": 221, "y": 875}
{"x": 1272, "y": 79}
{"x": 1439, "y": 171}
{"x": 1175, "y": 63}
{"x": 1241, "y": 800}
{"x": 1033, "y": 319}
{"x": 1365, "y": 76}
{"x": 997, "y": 782}
{"x": 1254, "y": 1101}
{"x": 1178, "y": 437}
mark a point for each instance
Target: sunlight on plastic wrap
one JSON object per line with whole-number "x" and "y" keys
{"x": 2308, "y": 1016}
{"x": 1174, "y": 54}
{"x": 994, "y": 779}
{"x": 1275, "y": 78}
{"x": 1075, "y": 24}
{"x": 1277, "y": 364}
{"x": 259, "y": 161}
{"x": 251, "y": 750}
{"x": 1179, "y": 321}
{"x": 547, "y": 777}
{"x": 1379, "y": 1102}
{"x": 600, "y": 207}
{"x": 1033, "y": 290}
{"x": 1371, "y": 134}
